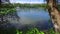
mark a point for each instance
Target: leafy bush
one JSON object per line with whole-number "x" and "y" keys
{"x": 36, "y": 31}
{"x": 6, "y": 11}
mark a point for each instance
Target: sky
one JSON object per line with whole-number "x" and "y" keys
{"x": 27, "y": 1}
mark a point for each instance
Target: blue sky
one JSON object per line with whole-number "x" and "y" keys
{"x": 27, "y": 1}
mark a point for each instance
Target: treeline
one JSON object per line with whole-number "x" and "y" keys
{"x": 23, "y": 5}
{"x": 31, "y": 5}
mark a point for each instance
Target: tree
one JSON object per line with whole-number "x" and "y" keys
{"x": 54, "y": 14}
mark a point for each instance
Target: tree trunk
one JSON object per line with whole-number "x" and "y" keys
{"x": 54, "y": 14}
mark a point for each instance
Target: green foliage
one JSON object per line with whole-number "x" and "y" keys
{"x": 36, "y": 31}
{"x": 18, "y": 32}
{"x": 31, "y": 31}
{"x": 6, "y": 11}
{"x": 7, "y": 6}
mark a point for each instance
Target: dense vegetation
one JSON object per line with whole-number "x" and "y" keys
{"x": 36, "y": 31}
{"x": 6, "y": 8}
{"x": 30, "y": 31}
{"x": 5, "y": 11}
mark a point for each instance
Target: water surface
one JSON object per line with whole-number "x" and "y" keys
{"x": 34, "y": 15}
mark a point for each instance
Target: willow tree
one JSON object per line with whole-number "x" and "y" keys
{"x": 54, "y": 14}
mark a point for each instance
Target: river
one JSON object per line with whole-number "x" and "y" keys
{"x": 38, "y": 17}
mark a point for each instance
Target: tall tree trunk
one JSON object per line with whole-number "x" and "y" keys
{"x": 54, "y": 14}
